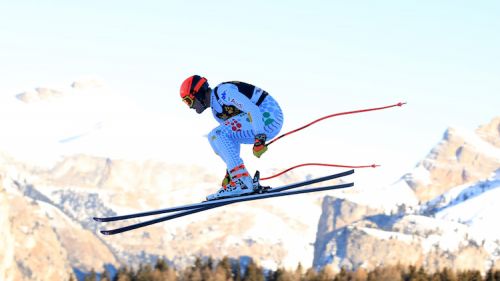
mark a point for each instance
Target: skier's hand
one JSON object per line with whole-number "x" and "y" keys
{"x": 259, "y": 145}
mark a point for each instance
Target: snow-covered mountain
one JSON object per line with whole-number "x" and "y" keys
{"x": 39, "y": 164}
{"x": 475, "y": 205}
{"x": 274, "y": 232}
{"x": 43, "y": 124}
{"x": 68, "y": 164}
{"x": 461, "y": 157}
{"x": 451, "y": 223}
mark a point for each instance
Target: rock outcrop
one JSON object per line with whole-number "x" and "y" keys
{"x": 46, "y": 216}
{"x": 458, "y": 185}
{"x": 29, "y": 243}
{"x": 460, "y": 158}
{"x": 274, "y": 232}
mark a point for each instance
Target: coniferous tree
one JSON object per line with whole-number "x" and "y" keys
{"x": 236, "y": 270}
{"x": 206, "y": 272}
{"x": 144, "y": 273}
{"x": 360, "y": 275}
{"x": 496, "y": 275}
{"x": 447, "y": 274}
{"x": 421, "y": 275}
{"x": 193, "y": 273}
{"x": 210, "y": 263}
{"x": 169, "y": 275}
{"x": 223, "y": 270}
{"x": 105, "y": 275}
{"x": 161, "y": 265}
{"x": 281, "y": 274}
{"x": 436, "y": 276}
{"x": 123, "y": 274}
{"x": 492, "y": 275}
{"x": 489, "y": 275}
{"x": 253, "y": 273}
{"x": 311, "y": 275}
{"x": 389, "y": 273}
{"x": 226, "y": 270}
{"x": 342, "y": 275}
{"x": 198, "y": 263}
{"x": 325, "y": 274}
{"x": 474, "y": 275}
{"x": 410, "y": 274}
{"x": 372, "y": 276}
{"x": 414, "y": 274}
{"x": 299, "y": 272}
{"x": 271, "y": 275}
{"x": 462, "y": 276}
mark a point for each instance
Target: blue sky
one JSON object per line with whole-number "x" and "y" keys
{"x": 315, "y": 57}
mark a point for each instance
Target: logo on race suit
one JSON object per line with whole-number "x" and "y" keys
{"x": 238, "y": 105}
{"x": 229, "y": 99}
{"x": 228, "y": 111}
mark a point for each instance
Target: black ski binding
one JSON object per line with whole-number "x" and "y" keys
{"x": 257, "y": 187}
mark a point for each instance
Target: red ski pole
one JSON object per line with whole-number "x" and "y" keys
{"x": 333, "y": 115}
{"x": 318, "y": 164}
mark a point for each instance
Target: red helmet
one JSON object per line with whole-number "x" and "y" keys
{"x": 191, "y": 87}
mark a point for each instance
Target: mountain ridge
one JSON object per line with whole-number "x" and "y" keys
{"x": 351, "y": 228}
{"x": 455, "y": 228}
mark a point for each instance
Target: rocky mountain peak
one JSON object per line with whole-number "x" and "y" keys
{"x": 461, "y": 157}
{"x": 40, "y": 94}
{"x": 46, "y": 94}
{"x": 29, "y": 242}
{"x": 452, "y": 226}
{"x": 56, "y": 205}
{"x": 79, "y": 187}
{"x": 491, "y": 132}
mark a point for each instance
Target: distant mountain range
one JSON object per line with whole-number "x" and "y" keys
{"x": 441, "y": 214}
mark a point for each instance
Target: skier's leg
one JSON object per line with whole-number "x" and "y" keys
{"x": 226, "y": 148}
{"x": 227, "y": 138}
{"x": 229, "y": 151}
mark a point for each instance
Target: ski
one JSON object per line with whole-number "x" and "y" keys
{"x": 221, "y": 201}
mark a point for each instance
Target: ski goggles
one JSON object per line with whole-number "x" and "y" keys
{"x": 189, "y": 101}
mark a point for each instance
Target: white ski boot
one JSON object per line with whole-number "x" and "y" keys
{"x": 240, "y": 183}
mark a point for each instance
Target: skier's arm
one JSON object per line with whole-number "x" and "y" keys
{"x": 231, "y": 95}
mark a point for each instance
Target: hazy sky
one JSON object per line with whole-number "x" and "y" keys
{"x": 315, "y": 57}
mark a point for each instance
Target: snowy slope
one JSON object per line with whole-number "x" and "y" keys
{"x": 42, "y": 124}
{"x": 476, "y": 206}
{"x": 474, "y": 140}
{"x": 387, "y": 197}
{"x": 462, "y": 193}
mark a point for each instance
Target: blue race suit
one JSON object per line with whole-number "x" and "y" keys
{"x": 243, "y": 111}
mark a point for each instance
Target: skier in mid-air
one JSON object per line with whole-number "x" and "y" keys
{"x": 246, "y": 114}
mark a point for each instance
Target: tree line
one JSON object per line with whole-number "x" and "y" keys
{"x": 228, "y": 270}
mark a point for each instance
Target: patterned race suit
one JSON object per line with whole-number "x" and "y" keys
{"x": 242, "y": 111}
